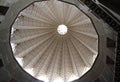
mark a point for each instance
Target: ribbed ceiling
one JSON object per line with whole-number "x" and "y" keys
{"x": 45, "y": 53}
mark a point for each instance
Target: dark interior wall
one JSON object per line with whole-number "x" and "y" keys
{"x": 112, "y": 4}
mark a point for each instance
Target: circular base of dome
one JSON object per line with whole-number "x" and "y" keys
{"x": 54, "y": 41}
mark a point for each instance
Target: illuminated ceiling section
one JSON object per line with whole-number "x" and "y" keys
{"x": 54, "y": 41}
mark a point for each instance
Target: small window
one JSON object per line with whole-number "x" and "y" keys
{"x": 3, "y": 10}
{"x": 110, "y": 43}
{"x": 110, "y": 63}
{"x": 13, "y": 80}
{"x": 1, "y": 63}
{"x": 98, "y": 80}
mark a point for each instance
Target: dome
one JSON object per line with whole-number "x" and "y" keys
{"x": 54, "y": 41}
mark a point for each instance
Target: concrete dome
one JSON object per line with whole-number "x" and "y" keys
{"x": 45, "y": 53}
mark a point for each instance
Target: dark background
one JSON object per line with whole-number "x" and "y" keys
{"x": 112, "y": 4}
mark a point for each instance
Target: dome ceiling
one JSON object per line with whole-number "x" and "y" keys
{"x": 54, "y": 41}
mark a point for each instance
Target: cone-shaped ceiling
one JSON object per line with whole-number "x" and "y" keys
{"x": 54, "y": 41}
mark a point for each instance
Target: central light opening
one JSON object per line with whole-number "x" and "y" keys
{"x": 62, "y": 29}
